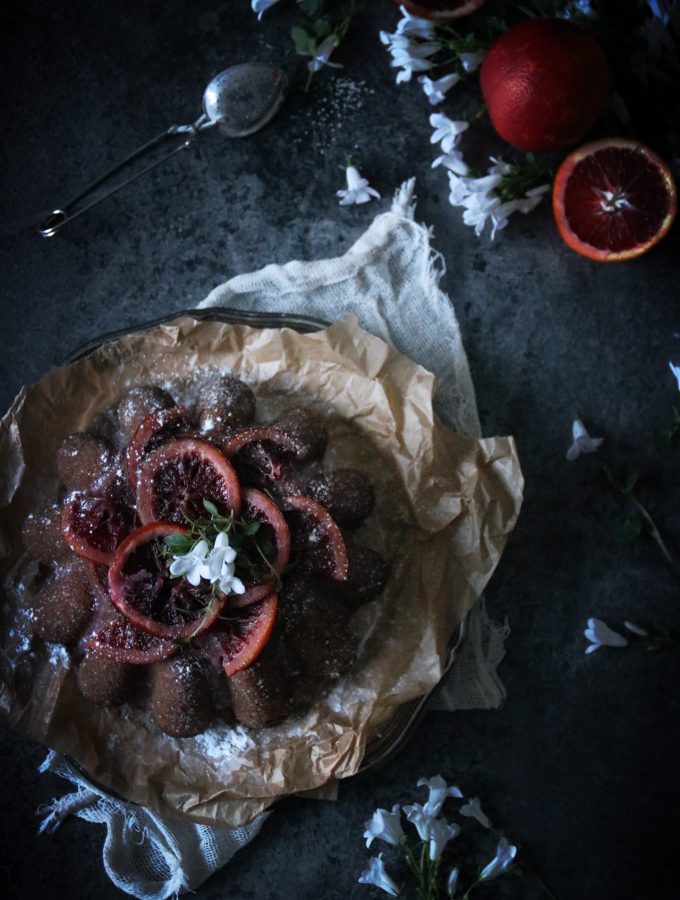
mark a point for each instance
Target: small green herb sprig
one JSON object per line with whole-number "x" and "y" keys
{"x": 255, "y": 552}
{"x": 640, "y": 520}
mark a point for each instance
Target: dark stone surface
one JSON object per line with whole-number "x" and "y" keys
{"x": 580, "y": 765}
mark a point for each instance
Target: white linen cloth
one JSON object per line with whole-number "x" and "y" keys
{"x": 390, "y": 280}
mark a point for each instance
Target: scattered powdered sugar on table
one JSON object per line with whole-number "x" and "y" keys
{"x": 327, "y": 118}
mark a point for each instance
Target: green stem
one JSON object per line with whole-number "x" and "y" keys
{"x": 651, "y": 525}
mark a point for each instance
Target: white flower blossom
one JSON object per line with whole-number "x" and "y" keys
{"x": 473, "y": 810}
{"x": 453, "y": 161}
{"x": 376, "y": 875}
{"x": 412, "y": 57}
{"x": 385, "y": 826}
{"x": 438, "y": 792}
{"x": 414, "y": 26}
{"x": 502, "y": 861}
{"x": 582, "y": 442}
{"x": 440, "y": 832}
{"x": 471, "y": 61}
{"x": 322, "y": 54}
{"x": 219, "y": 566}
{"x": 452, "y": 882}
{"x": 676, "y": 371}
{"x": 573, "y": 8}
{"x": 261, "y": 6}
{"x": 358, "y": 189}
{"x": 601, "y": 635}
{"x": 446, "y": 131}
{"x": 417, "y": 816}
{"x": 435, "y": 91}
{"x": 189, "y": 564}
{"x": 635, "y": 629}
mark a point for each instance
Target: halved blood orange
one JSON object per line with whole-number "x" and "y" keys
{"x": 260, "y": 578}
{"x": 613, "y": 200}
{"x": 154, "y": 430}
{"x": 95, "y": 526}
{"x": 142, "y": 588}
{"x": 237, "y": 640}
{"x": 175, "y": 479}
{"x": 122, "y": 641}
{"x": 260, "y": 454}
{"x": 316, "y": 541}
{"x": 440, "y": 9}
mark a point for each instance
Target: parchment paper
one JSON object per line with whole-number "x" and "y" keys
{"x": 445, "y": 506}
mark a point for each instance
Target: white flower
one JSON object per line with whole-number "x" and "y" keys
{"x": 440, "y": 832}
{"x": 376, "y": 875}
{"x": 676, "y": 371}
{"x": 662, "y": 9}
{"x": 635, "y": 629}
{"x": 385, "y": 826}
{"x": 435, "y": 91}
{"x": 439, "y": 791}
{"x": 190, "y": 564}
{"x": 452, "y": 882}
{"x": 446, "y": 131}
{"x": 453, "y": 161}
{"x": 412, "y": 25}
{"x": 219, "y": 559}
{"x": 411, "y": 57}
{"x": 473, "y": 810}
{"x": 471, "y": 61}
{"x": 323, "y": 52}
{"x": 505, "y": 854}
{"x": 601, "y": 635}
{"x": 582, "y": 442}
{"x": 358, "y": 189}
{"x": 417, "y": 816}
{"x": 261, "y": 6}
{"x": 584, "y": 7}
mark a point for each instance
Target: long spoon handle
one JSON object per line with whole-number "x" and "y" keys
{"x": 53, "y": 222}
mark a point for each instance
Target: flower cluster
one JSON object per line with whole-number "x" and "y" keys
{"x": 434, "y": 833}
{"x": 216, "y": 564}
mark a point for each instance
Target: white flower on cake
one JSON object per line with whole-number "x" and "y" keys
{"x": 601, "y": 635}
{"x": 189, "y": 565}
{"x": 358, "y": 189}
{"x": 385, "y": 826}
{"x": 502, "y": 861}
{"x": 582, "y": 442}
{"x": 376, "y": 875}
{"x": 217, "y": 565}
{"x": 435, "y": 91}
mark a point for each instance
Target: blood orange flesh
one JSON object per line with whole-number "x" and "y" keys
{"x": 613, "y": 200}
{"x": 95, "y": 526}
{"x": 317, "y": 543}
{"x": 144, "y": 591}
{"x": 260, "y": 578}
{"x": 122, "y": 641}
{"x": 154, "y": 430}
{"x": 176, "y": 478}
{"x": 237, "y": 640}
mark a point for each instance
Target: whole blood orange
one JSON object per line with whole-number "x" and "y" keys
{"x": 613, "y": 199}
{"x": 440, "y": 9}
{"x": 544, "y": 83}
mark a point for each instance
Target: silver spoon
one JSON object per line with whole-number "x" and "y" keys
{"x": 240, "y": 100}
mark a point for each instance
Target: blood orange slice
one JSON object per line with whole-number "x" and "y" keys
{"x": 440, "y": 9}
{"x": 176, "y": 478}
{"x": 237, "y": 640}
{"x": 613, "y": 200}
{"x": 316, "y": 541}
{"x": 154, "y": 430}
{"x": 144, "y": 591}
{"x": 260, "y": 454}
{"x": 95, "y": 526}
{"x": 122, "y": 641}
{"x": 269, "y": 548}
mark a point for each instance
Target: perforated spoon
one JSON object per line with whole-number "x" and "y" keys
{"x": 240, "y": 101}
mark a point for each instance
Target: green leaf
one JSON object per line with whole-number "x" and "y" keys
{"x": 322, "y": 28}
{"x": 179, "y": 544}
{"x": 210, "y": 507}
{"x": 251, "y": 528}
{"x": 627, "y": 530}
{"x": 303, "y": 40}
